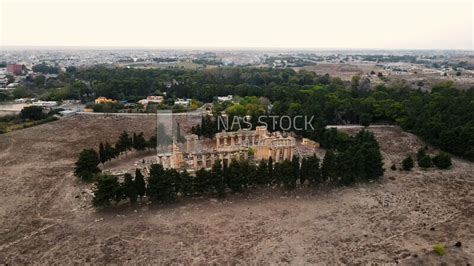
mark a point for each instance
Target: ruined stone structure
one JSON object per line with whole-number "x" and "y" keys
{"x": 258, "y": 144}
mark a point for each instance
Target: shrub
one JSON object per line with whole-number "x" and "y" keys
{"x": 407, "y": 163}
{"x": 393, "y": 167}
{"x": 442, "y": 161}
{"x": 425, "y": 161}
{"x": 33, "y": 113}
{"x": 421, "y": 153}
{"x": 439, "y": 249}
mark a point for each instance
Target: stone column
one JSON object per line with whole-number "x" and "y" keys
{"x": 285, "y": 154}
{"x": 188, "y": 145}
{"x": 239, "y": 139}
{"x": 203, "y": 158}
{"x": 213, "y": 160}
{"x": 277, "y": 159}
{"x": 195, "y": 162}
{"x": 232, "y": 140}
{"x": 253, "y": 140}
{"x": 218, "y": 141}
{"x": 225, "y": 140}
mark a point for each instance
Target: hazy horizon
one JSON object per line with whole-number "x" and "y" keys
{"x": 232, "y": 25}
{"x": 204, "y": 48}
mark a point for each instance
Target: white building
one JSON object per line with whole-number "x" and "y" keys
{"x": 45, "y": 103}
{"x": 183, "y": 102}
{"x": 224, "y": 98}
{"x": 151, "y": 99}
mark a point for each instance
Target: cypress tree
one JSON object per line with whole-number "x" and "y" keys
{"x": 102, "y": 153}
{"x": 262, "y": 173}
{"x": 160, "y": 186}
{"x": 201, "y": 184}
{"x": 107, "y": 189}
{"x": 86, "y": 165}
{"x": 109, "y": 152}
{"x": 328, "y": 167}
{"x": 140, "y": 184}
{"x": 129, "y": 188}
{"x": 217, "y": 179}
{"x": 271, "y": 178}
{"x": 234, "y": 177}
{"x": 185, "y": 185}
{"x": 304, "y": 170}
{"x": 124, "y": 143}
{"x": 313, "y": 170}
{"x": 286, "y": 174}
{"x": 295, "y": 165}
{"x": 407, "y": 163}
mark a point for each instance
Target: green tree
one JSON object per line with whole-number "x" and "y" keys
{"x": 271, "y": 178}
{"x": 373, "y": 162}
{"x": 365, "y": 119}
{"x": 161, "y": 187}
{"x": 33, "y": 113}
{"x": 201, "y": 184}
{"x": 217, "y": 179}
{"x": 425, "y": 161}
{"x": 102, "y": 154}
{"x": 407, "y": 163}
{"x": 295, "y": 167}
{"x": 107, "y": 189}
{"x": 421, "y": 153}
{"x": 109, "y": 151}
{"x": 313, "y": 170}
{"x": 235, "y": 179}
{"x": 139, "y": 142}
{"x": 304, "y": 171}
{"x": 86, "y": 165}
{"x": 129, "y": 188}
{"x": 262, "y": 173}
{"x": 140, "y": 185}
{"x": 442, "y": 161}
{"x": 124, "y": 143}
{"x": 152, "y": 142}
{"x": 329, "y": 167}
{"x": 185, "y": 184}
{"x": 285, "y": 174}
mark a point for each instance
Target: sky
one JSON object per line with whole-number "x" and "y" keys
{"x": 403, "y": 24}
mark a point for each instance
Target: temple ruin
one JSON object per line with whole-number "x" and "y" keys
{"x": 256, "y": 144}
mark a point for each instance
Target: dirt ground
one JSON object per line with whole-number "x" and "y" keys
{"x": 46, "y": 216}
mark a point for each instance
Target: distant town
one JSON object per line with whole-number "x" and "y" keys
{"x": 35, "y": 73}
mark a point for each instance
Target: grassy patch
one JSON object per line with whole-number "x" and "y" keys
{"x": 439, "y": 249}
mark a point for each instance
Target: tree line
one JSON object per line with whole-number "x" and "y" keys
{"x": 361, "y": 162}
{"x": 441, "y": 161}
{"x": 89, "y": 159}
{"x": 443, "y": 116}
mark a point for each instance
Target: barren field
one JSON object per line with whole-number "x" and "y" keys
{"x": 343, "y": 71}
{"x": 46, "y": 216}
